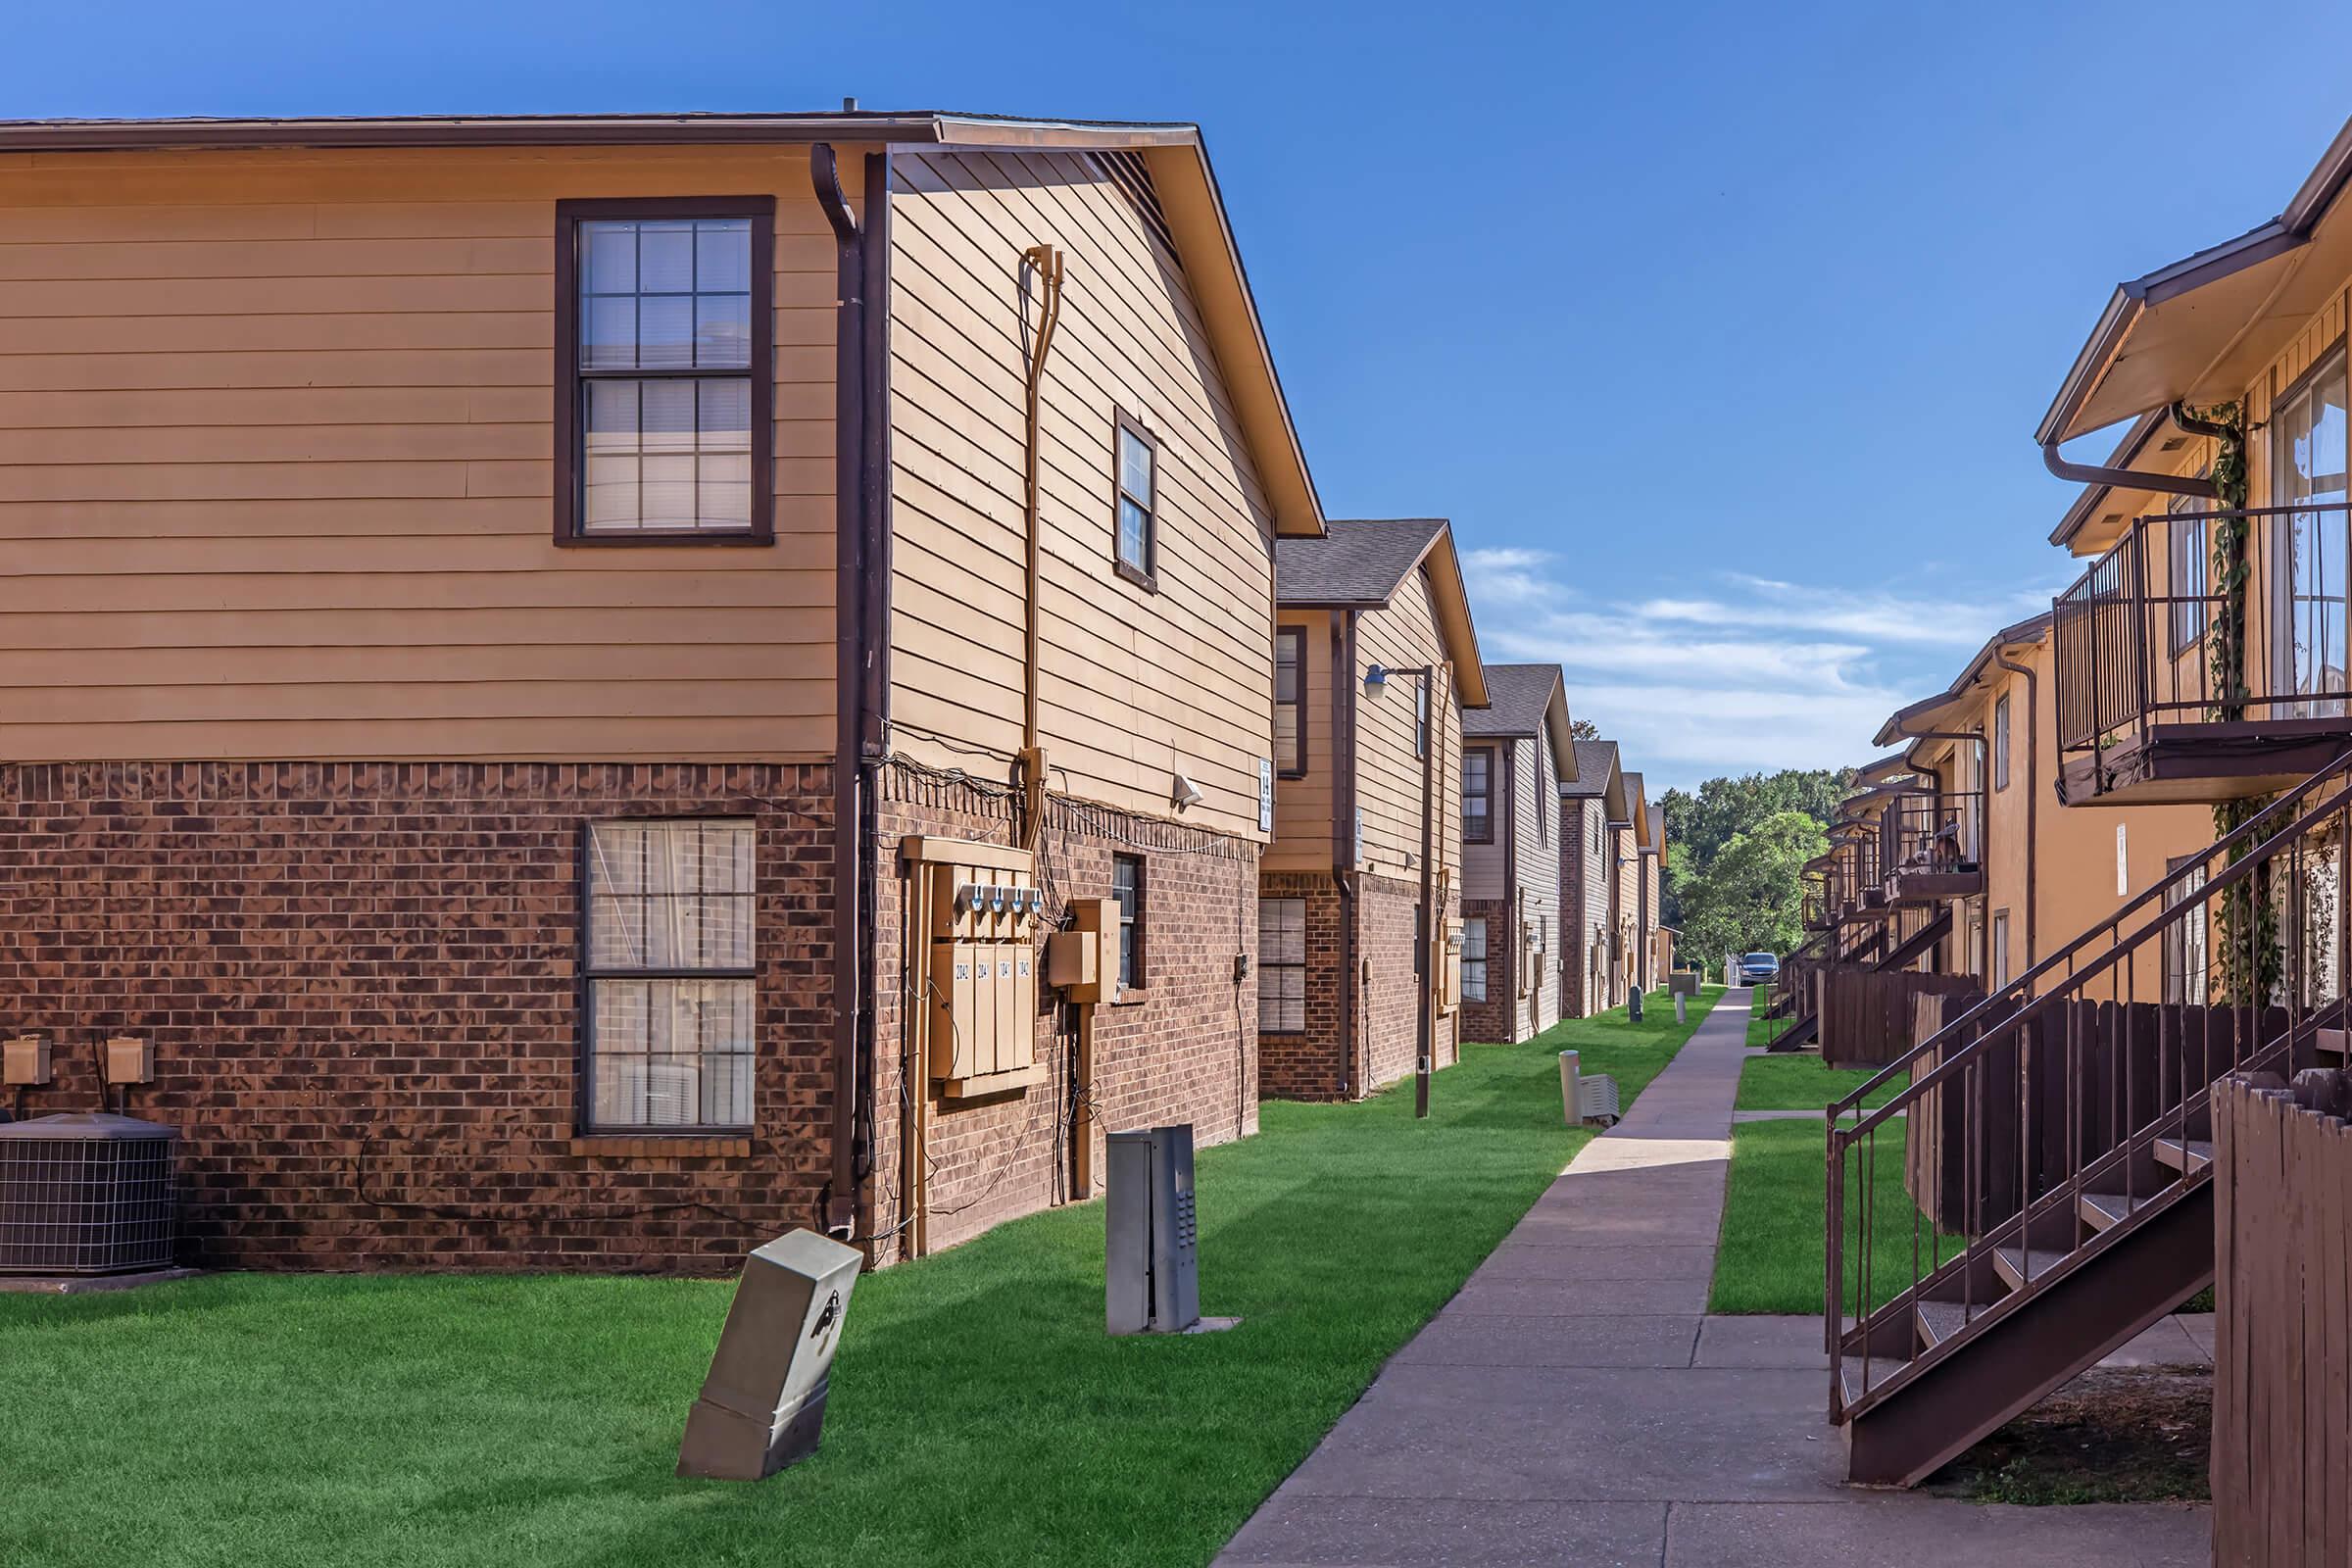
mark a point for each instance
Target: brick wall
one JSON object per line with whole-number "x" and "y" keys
{"x": 1393, "y": 999}
{"x": 1495, "y": 1020}
{"x": 1312, "y": 1064}
{"x": 1186, "y": 1053}
{"x": 361, "y": 981}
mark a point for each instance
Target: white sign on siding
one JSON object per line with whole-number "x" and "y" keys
{"x": 1265, "y": 794}
{"x": 2123, "y": 874}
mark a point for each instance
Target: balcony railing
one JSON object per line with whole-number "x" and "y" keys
{"x": 1936, "y": 846}
{"x": 2142, "y": 638}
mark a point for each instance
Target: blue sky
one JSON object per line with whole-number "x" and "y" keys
{"x": 1721, "y": 332}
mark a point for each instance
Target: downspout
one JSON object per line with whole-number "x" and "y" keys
{"x": 856, "y": 559}
{"x": 2033, "y": 797}
{"x": 2127, "y": 478}
{"x": 1426, "y": 1020}
{"x": 1512, "y": 901}
{"x": 1343, "y": 837}
{"x": 1044, "y": 262}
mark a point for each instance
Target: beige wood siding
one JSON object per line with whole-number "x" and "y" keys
{"x": 276, "y": 469}
{"x": 1136, "y": 686}
{"x": 1483, "y": 864}
{"x": 1389, "y": 772}
{"x": 1536, "y": 818}
{"x": 1303, "y": 807}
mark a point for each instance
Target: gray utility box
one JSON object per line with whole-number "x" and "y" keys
{"x": 1683, "y": 982}
{"x": 764, "y": 1403}
{"x": 1152, "y": 1257}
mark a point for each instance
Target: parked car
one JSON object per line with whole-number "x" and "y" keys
{"x": 1759, "y": 968}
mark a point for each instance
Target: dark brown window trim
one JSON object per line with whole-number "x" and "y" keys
{"x": 1146, "y": 576}
{"x": 1299, "y": 634}
{"x": 586, "y": 975}
{"x": 1487, "y": 795}
{"x": 568, "y": 467}
{"x": 1131, "y": 993}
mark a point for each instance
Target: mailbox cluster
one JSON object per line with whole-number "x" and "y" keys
{"x": 984, "y": 995}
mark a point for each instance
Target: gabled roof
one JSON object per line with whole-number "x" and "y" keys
{"x": 1523, "y": 701}
{"x": 2198, "y": 328}
{"x": 1637, "y": 809}
{"x": 1886, "y": 770}
{"x": 1597, "y": 773}
{"x": 1360, "y": 563}
{"x": 1656, "y": 844}
{"x": 1904, "y": 723}
{"x": 1175, "y": 154}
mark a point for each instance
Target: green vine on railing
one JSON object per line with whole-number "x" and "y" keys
{"x": 2252, "y": 960}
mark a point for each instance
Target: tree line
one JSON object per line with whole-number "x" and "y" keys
{"x": 1735, "y": 858}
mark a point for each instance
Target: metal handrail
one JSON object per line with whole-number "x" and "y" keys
{"x": 2127, "y": 656}
{"x": 2019, "y": 1031}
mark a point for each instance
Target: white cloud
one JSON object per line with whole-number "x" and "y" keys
{"x": 1744, "y": 673}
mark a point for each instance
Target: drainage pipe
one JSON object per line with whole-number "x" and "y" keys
{"x": 2032, "y": 791}
{"x": 1043, "y": 263}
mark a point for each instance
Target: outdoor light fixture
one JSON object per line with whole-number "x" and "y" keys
{"x": 1186, "y": 792}
{"x": 1376, "y": 679}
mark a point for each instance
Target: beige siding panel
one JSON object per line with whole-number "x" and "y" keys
{"x": 1304, "y": 807}
{"x": 1483, "y": 864}
{"x": 278, "y": 426}
{"x": 1389, "y": 774}
{"x": 1135, "y": 685}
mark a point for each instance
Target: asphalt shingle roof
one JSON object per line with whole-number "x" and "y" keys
{"x": 1516, "y": 698}
{"x": 1358, "y": 562}
{"x": 1595, "y": 761}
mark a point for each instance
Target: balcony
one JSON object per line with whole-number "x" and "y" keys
{"x": 1935, "y": 847}
{"x": 2143, "y": 711}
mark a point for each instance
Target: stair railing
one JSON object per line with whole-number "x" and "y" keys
{"x": 2003, "y": 1119}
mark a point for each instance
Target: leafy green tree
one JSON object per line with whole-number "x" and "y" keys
{"x": 1699, "y": 827}
{"x": 1749, "y": 897}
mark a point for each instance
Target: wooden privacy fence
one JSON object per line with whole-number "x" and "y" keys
{"x": 2283, "y": 1336}
{"x": 1867, "y": 1015}
{"x": 2088, "y": 1072}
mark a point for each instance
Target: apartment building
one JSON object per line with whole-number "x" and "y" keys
{"x": 575, "y": 678}
{"x": 1516, "y": 754}
{"x": 1360, "y": 889}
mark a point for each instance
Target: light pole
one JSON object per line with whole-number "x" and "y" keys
{"x": 1424, "y": 741}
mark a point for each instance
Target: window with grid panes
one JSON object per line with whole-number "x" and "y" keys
{"x": 668, "y": 383}
{"x": 1280, "y": 965}
{"x": 669, "y": 962}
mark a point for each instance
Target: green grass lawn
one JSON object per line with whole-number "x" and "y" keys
{"x": 1763, "y": 1031}
{"x": 1771, "y": 1258}
{"x": 979, "y": 1413}
{"x": 1799, "y": 1082}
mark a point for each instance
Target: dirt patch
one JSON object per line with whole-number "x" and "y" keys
{"x": 2113, "y": 1435}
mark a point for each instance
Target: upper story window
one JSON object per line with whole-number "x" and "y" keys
{"x": 1135, "y": 459}
{"x": 664, "y": 311}
{"x": 1290, "y": 701}
{"x": 2000, "y": 742}
{"x": 1421, "y": 718}
{"x": 1478, "y": 795}
{"x": 2191, "y": 550}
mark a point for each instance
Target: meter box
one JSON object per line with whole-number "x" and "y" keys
{"x": 1151, "y": 1254}
{"x": 1082, "y": 962}
{"x": 1450, "y": 969}
{"x": 983, "y": 908}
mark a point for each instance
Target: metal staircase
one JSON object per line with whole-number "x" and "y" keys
{"x": 2037, "y": 1190}
{"x": 1792, "y": 995}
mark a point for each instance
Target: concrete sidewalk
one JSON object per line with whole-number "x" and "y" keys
{"x": 1574, "y": 1404}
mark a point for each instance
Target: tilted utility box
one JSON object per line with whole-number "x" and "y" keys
{"x": 762, "y": 1407}
{"x": 1151, "y": 1259}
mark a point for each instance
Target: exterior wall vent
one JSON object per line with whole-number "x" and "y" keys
{"x": 87, "y": 1194}
{"x": 1129, "y": 172}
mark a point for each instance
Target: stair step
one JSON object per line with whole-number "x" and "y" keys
{"x": 1938, "y": 1321}
{"x": 2333, "y": 1042}
{"x": 2015, "y": 1263}
{"x": 2105, "y": 1210}
{"x": 2187, "y": 1155}
{"x": 1883, "y": 1370}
